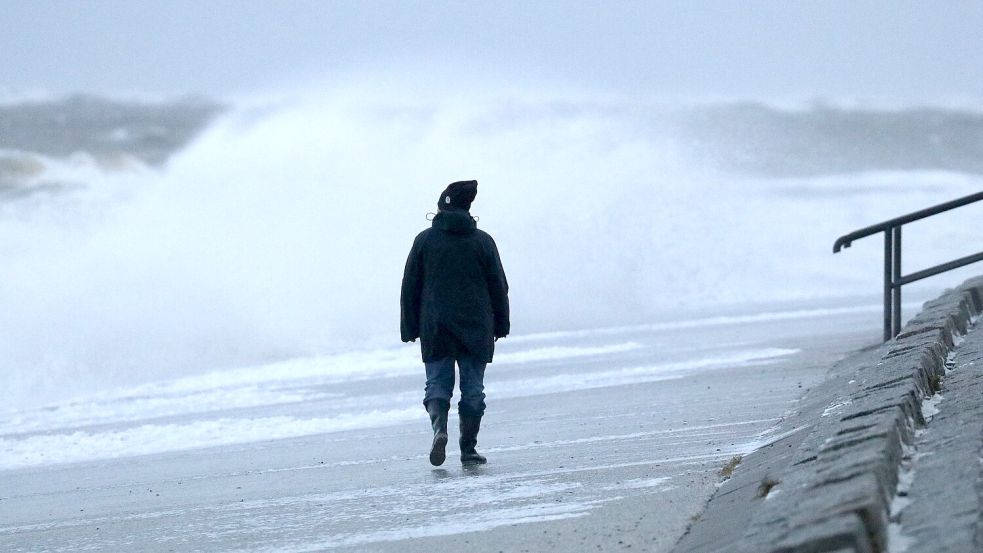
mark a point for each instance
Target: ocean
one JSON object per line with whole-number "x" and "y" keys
{"x": 164, "y": 258}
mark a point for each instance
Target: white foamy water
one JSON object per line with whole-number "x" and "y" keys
{"x": 46, "y": 449}
{"x": 566, "y": 382}
{"x": 219, "y": 410}
{"x": 287, "y": 382}
{"x": 281, "y": 232}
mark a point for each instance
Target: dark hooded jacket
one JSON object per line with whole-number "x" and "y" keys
{"x": 454, "y": 295}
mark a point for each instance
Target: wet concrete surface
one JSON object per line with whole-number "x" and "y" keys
{"x": 611, "y": 467}
{"x": 940, "y": 507}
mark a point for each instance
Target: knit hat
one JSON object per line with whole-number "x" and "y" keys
{"x": 458, "y": 195}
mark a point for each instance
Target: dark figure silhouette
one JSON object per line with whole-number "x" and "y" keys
{"x": 455, "y": 299}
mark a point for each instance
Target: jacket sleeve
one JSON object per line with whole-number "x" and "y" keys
{"x": 498, "y": 290}
{"x": 409, "y": 296}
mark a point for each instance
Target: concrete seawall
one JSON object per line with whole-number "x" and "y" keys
{"x": 830, "y": 485}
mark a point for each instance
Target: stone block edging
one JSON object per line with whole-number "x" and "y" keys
{"x": 836, "y": 495}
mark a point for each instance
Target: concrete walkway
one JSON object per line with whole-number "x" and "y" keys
{"x": 941, "y": 504}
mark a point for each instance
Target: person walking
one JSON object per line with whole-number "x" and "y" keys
{"x": 454, "y": 298}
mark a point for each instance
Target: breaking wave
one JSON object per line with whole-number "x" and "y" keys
{"x": 281, "y": 231}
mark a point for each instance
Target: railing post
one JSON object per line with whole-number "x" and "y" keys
{"x": 888, "y": 254}
{"x": 896, "y": 278}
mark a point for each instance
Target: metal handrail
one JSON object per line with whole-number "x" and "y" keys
{"x": 893, "y": 280}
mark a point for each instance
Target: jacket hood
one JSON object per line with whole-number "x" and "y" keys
{"x": 457, "y": 222}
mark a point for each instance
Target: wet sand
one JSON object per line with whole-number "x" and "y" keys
{"x": 610, "y": 467}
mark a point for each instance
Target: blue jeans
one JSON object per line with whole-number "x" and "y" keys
{"x": 440, "y": 384}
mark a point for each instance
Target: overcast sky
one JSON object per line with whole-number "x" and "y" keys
{"x": 908, "y": 51}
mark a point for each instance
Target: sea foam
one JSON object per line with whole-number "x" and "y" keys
{"x": 281, "y": 232}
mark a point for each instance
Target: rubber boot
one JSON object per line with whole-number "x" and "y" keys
{"x": 470, "y": 425}
{"x": 438, "y": 420}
